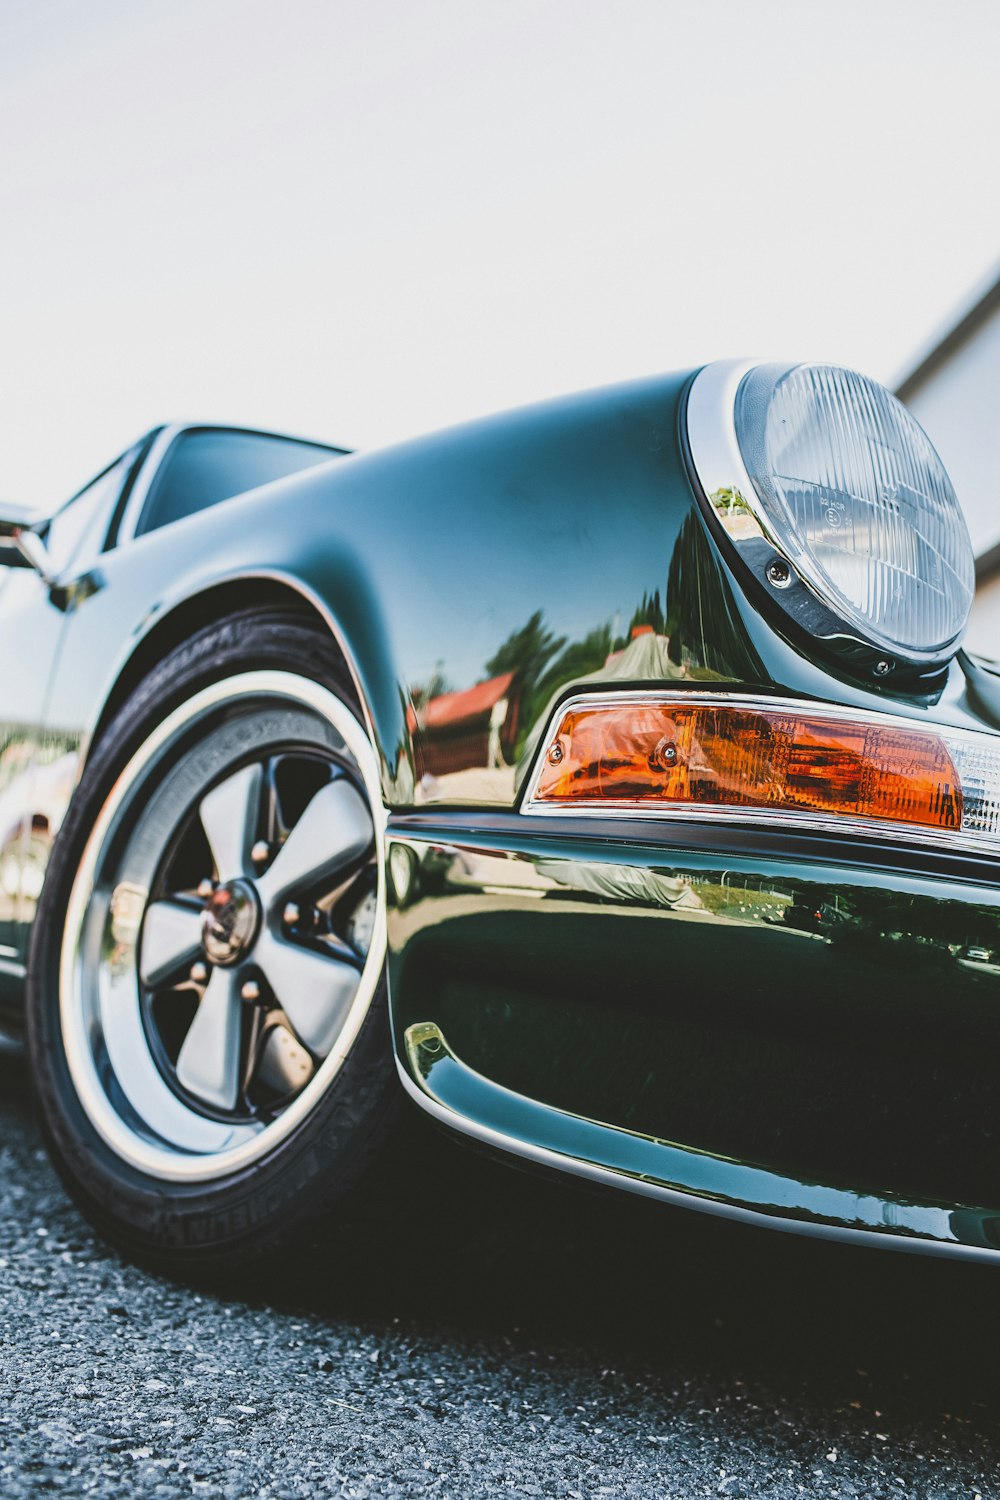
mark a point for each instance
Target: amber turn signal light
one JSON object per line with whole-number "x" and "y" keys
{"x": 728, "y": 754}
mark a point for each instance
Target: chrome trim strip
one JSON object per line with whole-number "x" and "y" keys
{"x": 721, "y": 814}
{"x": 711, "y": 428}
{"x": 144, "y": 479}
{"x": 576, "y": 1167}
{"x": 12, "y": 968}
{"x": 720, "y": 471}
{"x": 158, "y": 452}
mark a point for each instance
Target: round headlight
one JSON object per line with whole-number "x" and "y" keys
{"x": 835, "y": 499}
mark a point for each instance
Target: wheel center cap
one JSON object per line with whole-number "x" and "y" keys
{"x": 229, "y": 922}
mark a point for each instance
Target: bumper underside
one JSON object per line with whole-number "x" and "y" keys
{"x": 799, "y": 1031}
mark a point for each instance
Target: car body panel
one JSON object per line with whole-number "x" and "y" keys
{"x": 29, "y": 619}
{"x": 591, "y": 986}
{"x": 670, "y": 1006}
{"x": 44, "y": 725}
{"x": 562, "y": 545}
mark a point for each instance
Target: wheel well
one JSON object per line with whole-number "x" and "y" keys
{"x": 194, "y": 614}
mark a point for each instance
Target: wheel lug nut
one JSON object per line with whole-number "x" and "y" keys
{"x": 205, "y": 888}
{"x": 291, "y": 916}
{"x": 199, "y": 973}
{"x": 250, "y": 991}
{"x": 261, "y": 852}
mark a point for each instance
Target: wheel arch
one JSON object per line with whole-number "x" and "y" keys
{"x": 210, "y": 605}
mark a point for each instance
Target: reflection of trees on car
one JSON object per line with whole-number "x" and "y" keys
{"x": 692, "y": 631}
{"x": 526, "y": 652}
{"x": 486, "y": 725}
{"x": 701, "y": 619}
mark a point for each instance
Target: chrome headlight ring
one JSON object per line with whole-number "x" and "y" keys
{"x": 828, "y": 493}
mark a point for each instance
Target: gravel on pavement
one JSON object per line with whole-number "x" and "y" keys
{"x": 462, "y": 1329}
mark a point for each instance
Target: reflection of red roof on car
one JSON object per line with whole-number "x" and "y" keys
{"x": 637, "y": 631}
{"x": 452, "y": 708}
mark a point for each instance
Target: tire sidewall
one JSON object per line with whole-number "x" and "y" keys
{"x": 324, "y": 1154}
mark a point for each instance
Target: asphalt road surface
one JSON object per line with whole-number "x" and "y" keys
{"x": 482, "y": 1332}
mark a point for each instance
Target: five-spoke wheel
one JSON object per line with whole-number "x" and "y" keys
{"x": 254, "y": 967}
{"x": 207, "y": 999}
{"x": 229, "y": 925}
{"x": 207, "y": 1009}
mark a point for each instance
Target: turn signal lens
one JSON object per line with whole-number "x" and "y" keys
{"x": 683, "y": 754}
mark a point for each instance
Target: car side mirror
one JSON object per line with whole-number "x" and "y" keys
{"x": 22, "y": 544}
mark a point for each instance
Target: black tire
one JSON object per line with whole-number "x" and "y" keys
{"x": 183, "y": 1225}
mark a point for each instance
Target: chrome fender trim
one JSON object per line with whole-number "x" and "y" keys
{"x": 466, "y": 1101}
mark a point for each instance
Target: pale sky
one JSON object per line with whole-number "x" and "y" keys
{"x": 362, "y": 219}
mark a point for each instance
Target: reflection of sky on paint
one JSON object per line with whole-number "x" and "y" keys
{"x": 362, "y": 221}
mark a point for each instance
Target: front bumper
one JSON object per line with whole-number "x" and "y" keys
{"x": 791, "y": 1029}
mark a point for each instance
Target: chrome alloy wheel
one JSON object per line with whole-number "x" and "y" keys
{"x": 225, "y": 934}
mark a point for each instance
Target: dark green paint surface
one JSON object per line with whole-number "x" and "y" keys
{"x": 819, "y": 1024}
{"x": 474, "y": 578}
{"x": 534, "y": 544}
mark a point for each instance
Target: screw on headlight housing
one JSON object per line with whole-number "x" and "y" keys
{"x": 882, "y": 667}
{"x": 779, "y": 574}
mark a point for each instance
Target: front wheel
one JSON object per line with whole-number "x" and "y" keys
{"x": 207, "y": 1017}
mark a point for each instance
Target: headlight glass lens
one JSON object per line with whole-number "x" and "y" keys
{"x": 850, "y": 490}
